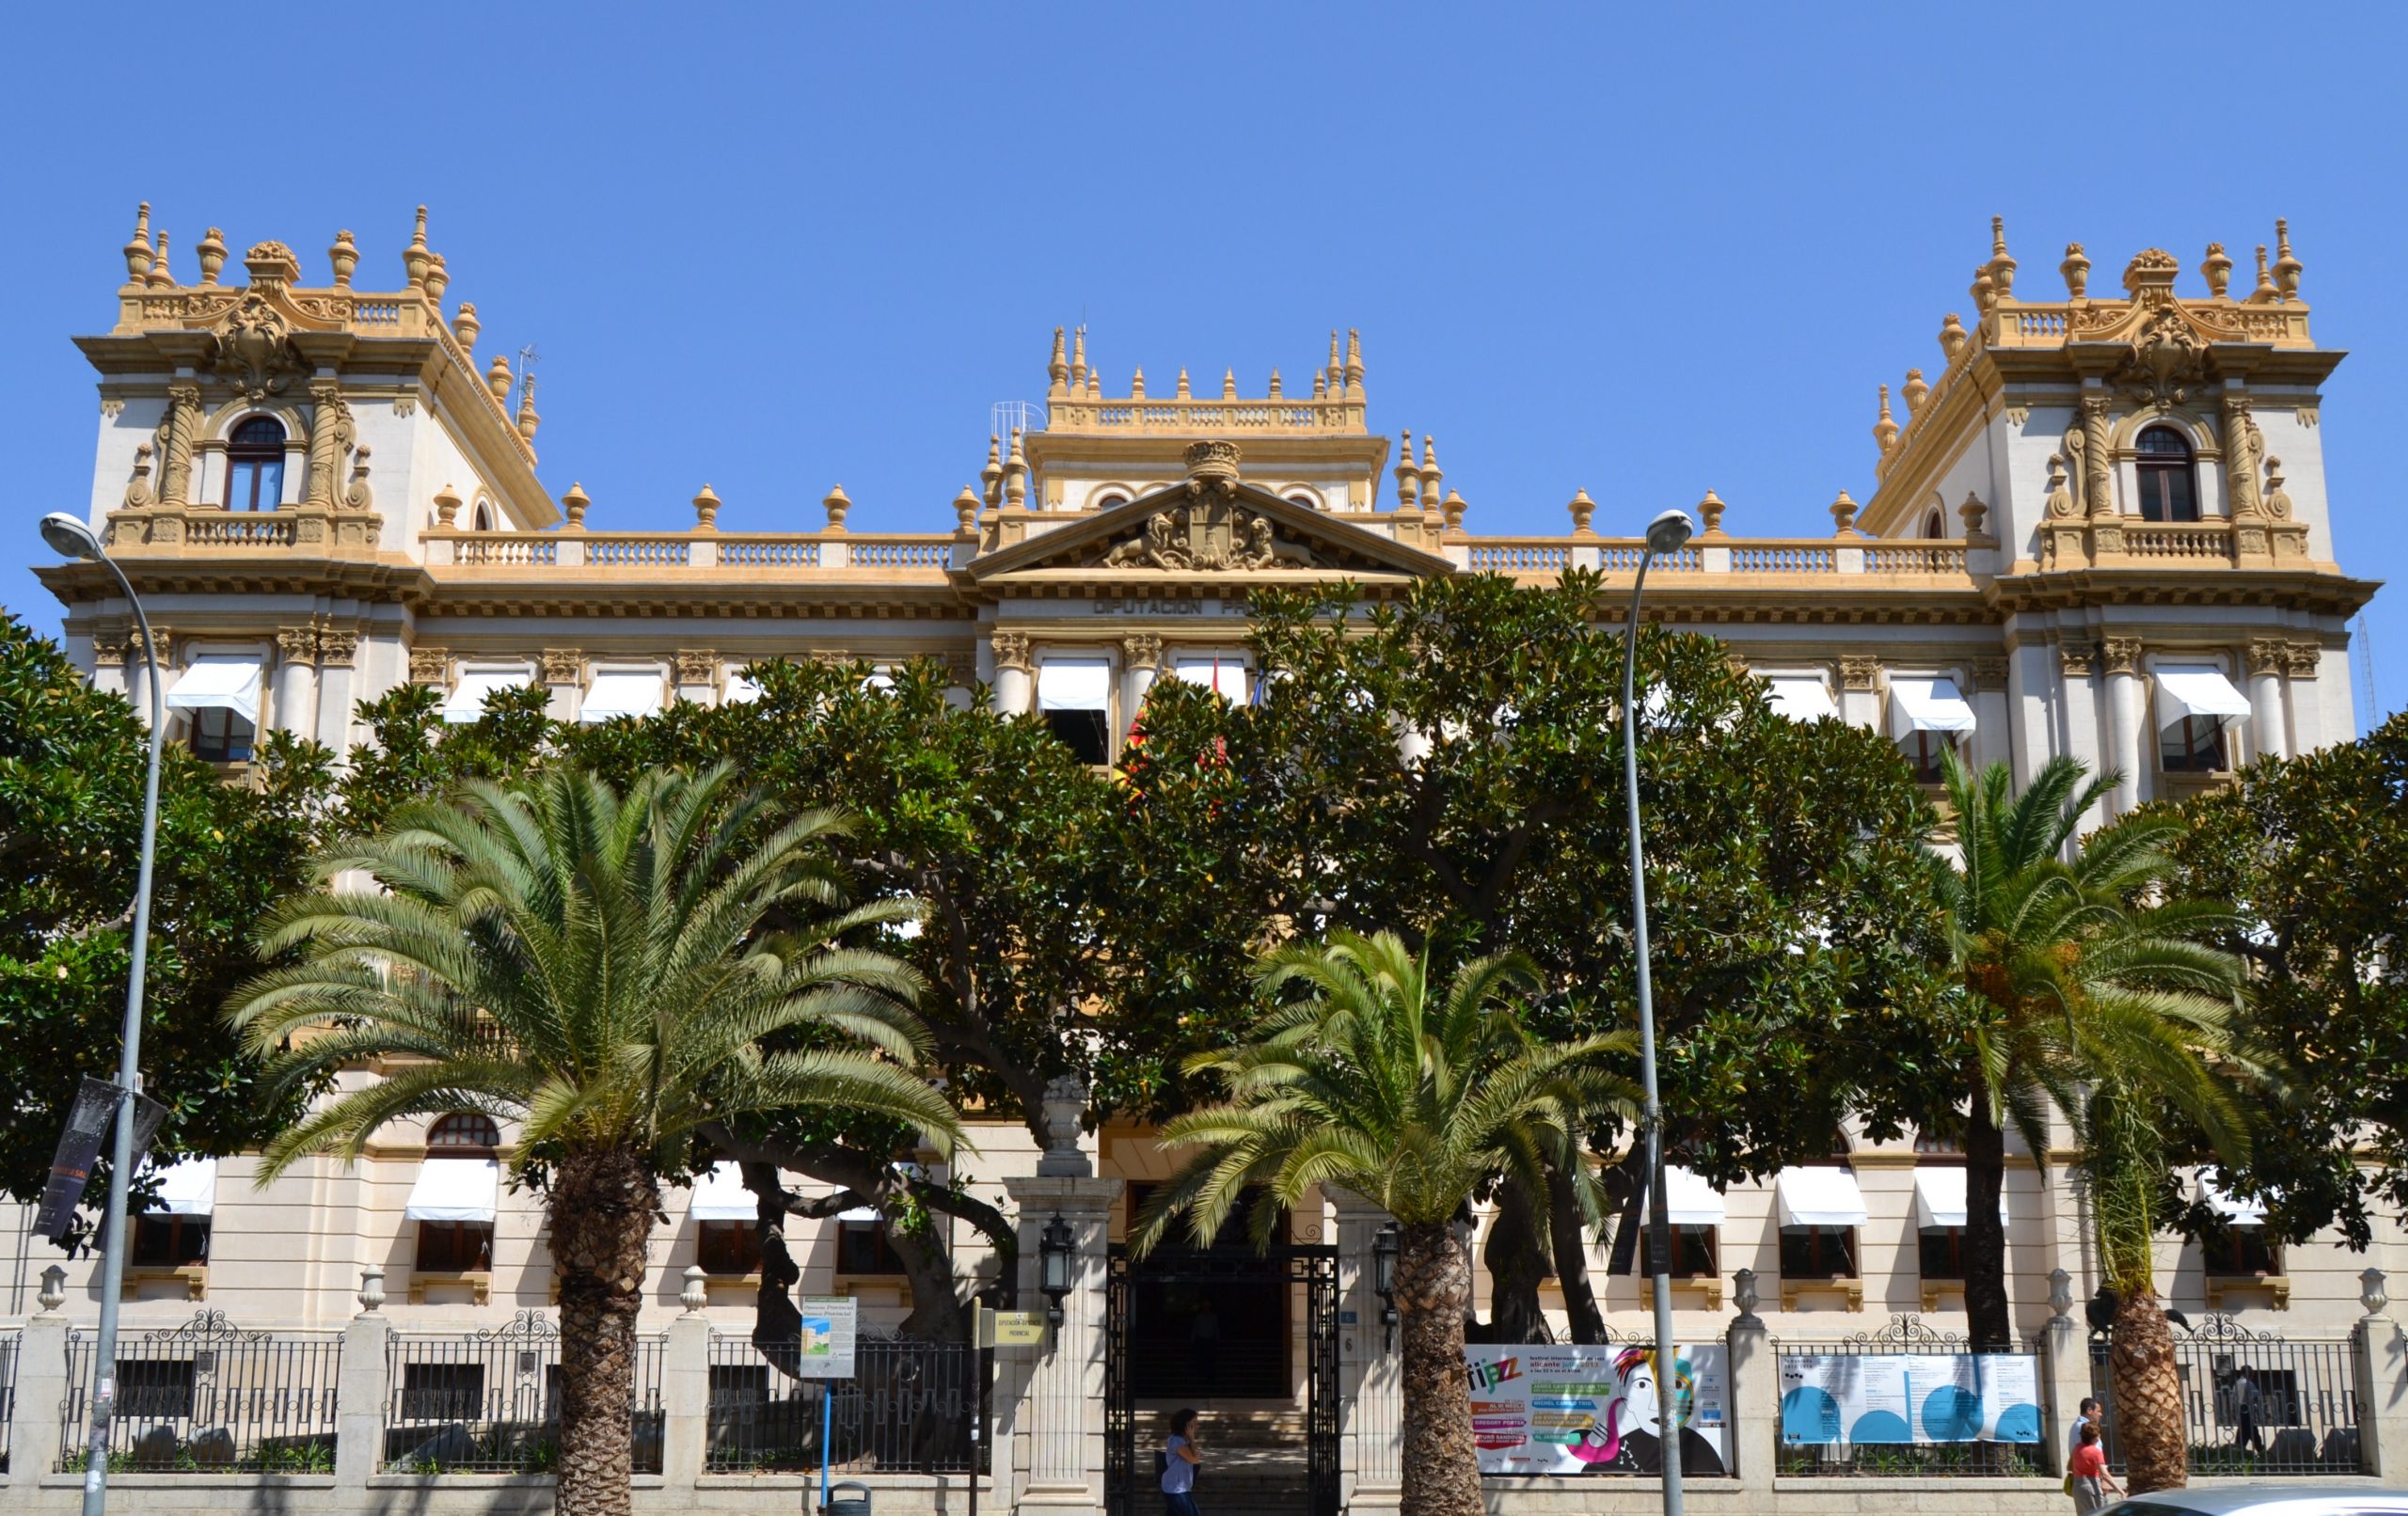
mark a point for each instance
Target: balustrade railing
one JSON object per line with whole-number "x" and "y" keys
{"x": 206, "y": 1397}
{"x": 2189, "y": 540}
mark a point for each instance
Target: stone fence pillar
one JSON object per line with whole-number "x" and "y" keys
{"x": 41, "y": 1392}
{"x": 1058, "y": 1424}
{"x": 1371, "y": 1384}
{"x": 685, "y": 1396}
{"x": 359, "y": 1389}
{"x": 2383, "y": 1397}
{"x": 1755, "y": 1405}
{"x": 2065, "y": 1381}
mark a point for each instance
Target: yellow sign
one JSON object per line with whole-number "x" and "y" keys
{"x": 1011, "y": 1329}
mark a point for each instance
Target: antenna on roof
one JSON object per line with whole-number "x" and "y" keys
{"x": 527, "y": 357}
{"x": 2373, "y": 717}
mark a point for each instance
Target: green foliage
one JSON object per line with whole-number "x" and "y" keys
{"x": 1408, "y": 1092}
{"x": 71, "y": 761}
{"x": 2313, "y": 853}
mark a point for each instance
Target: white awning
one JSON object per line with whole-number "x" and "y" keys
{"x": 1800, "y": 698}
{"x": 188, "y": 1187}
{"x": 218, "y": 682}
{"x": 2197, "y": 690}
{"x": 1224, "y": 676}
{"x": 2232, "y": 1209}
{"x": 1074, "y": 685}
{"x": 1820, "y": 1197}
{"x": 720, "y": 1196}
{"x": 1939, "y": 1199}
{"x": 880, "y": 680}
{"x": 467, "y": 701}
{"x": 455, "y": 1190}
{"x": 740, "y": 692}
{"x": 1927, "y": 705}
{"x": 1688, "y": 1200}
{"x": 623, "y": 694}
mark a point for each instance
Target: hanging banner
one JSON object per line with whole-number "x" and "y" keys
{"x": 829, "y": 1324}
{"x": 1909, "y": 1397}
{"x": 1542, "y": 1409}
{"x": 79, "y": 1149}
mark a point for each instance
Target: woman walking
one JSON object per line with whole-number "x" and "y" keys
{"x": 1179, "y": 1462}
{"x": 2087, "y": 1478}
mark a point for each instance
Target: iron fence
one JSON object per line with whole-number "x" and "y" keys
{"x": 7, "y": 1393}
{"x": 488, "y": 1402}
{"x": 1851, "y": 1452}
{"x": 206, "y": 1397}
{"x": 2252, "y": 1402}
{"x": 907, "y": 1410}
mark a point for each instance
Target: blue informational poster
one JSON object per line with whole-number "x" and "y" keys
{"x": 1909, "y": 1397}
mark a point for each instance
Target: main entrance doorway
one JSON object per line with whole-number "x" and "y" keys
{"x": 1191, "y": 1327}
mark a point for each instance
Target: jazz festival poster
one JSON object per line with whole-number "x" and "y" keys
{"x": 1570, "y": 1409}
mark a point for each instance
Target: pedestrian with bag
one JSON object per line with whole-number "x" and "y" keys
{"x": 1180, "y": 1462}
{"x": 2088, "y": 1479}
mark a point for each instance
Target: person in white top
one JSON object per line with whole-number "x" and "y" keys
{"x": 1180, "y": 1462}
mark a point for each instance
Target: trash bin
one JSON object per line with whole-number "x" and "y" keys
{"x": 841, "y": 1504}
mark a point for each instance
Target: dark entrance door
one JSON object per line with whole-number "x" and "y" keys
{"x": 1196, "y": 1325}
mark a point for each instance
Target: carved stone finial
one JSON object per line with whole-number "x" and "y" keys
{"x": 416, "y": 259}
{"x": 1844, "y": 516}
{"x": 1745, "y": 1295}
{"x": 1182, "y": 392}
{"x": 1016, "y": 475}
{"x": 356, "y": 495}
{"x": 1321, "y": 384}
{"x": 837, "y": 502}
{"x": 1983, "y": 290}
{"x": 2373, "y": 1291}
{"x": 1408, "y": 478}
{"x": 137, "y": 489}
{"x": 1582, "y": 508}
{"x": 163, "y": 277}
{"x": 2075, "y": 268}
{"x": 1914, "y": 392}
{"x": 465, "y": 326}
{"x": 2060, "y": 500}
{"x": 2060, "y": 1293}
{"x": 993, "y": 475}
{"x": 212, "y": 249}
{"x": 2217, "y": 270}
{"x": 1952, "y": 337}
{"x": 1972, "y": 513}
{"x": 372, "y": 1291}
{"x": 1275, "y": 386}
{"x": 437, "y": 276}
{"x": 2148, "y": 278}
{"x": 138, "y": 257}
{"x": 271, "y": 265}
{"x": 2287, "y": 268}
{"x": 2265, "y": 289}
{"x": 1214, "y": 459}
{"x": 527, "y": 420}
{"x": 1885, "y": 429}
{"x": 965, "y": 511}
{"x": 706, "y": 508}
{"x": 1710, "y": 510}
{"x": 576, "y": 503}
{"x": 2277, "y": 500}
{"x": 1066, "y": 1102}
{"x": 52, "y": 1294}
{"x": 1137, "y": 384}
{"x": 1078, "y": 372}
{"x": 1432, "y": 475}
{"x": 1057, "y": 367}
{"x": 1337, "y": 373}
{"x": 447, "y": 507}
{"x": 2002, "y": 265}
{"x": 1453, "y": 506}
{"x": 345, "y": 256}
{"x": 498, "y": 378}
{"x": 1230, "y": 383}
{"x": 1354, "y": 364}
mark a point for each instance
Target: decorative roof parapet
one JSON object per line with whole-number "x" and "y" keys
{"x": 1075, "y": 402}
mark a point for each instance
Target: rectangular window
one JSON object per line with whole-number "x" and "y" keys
{"x": 154, "y": 1389}
{"x": 254, "y": 483}
{"x": 1818, "y": 1253}
{"x": 1941, "y": 1250}
{"x": 2240, "y": 1252}
{"x": 170, "y": 1242}
{"x": 1923, "y": 750}
{"x": 443, "y": 1392}
{"x": 1695, "y": 1251}
{"x": 2193, "y": 745}
{"x": 452, "y": 1247}
{"x": 1075, "y": 696}
{"x": 218, "y": 735}
{"x": 731, "y": 1248}
{"x": 862, "y": 1248}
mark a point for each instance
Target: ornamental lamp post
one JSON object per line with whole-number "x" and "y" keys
{"x": 1053, "y": 1249}
{"x": 1665, "y": 534}
{"x": 1383, "y": 1251}
{"x": 71, "y": 538}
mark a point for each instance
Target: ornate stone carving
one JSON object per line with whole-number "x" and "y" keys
{"x": 331, "y": 433}
{"x": 2165, "y": 360}
{"x": 1209, "y": 533}
{"x": 2060, "y": 504}
{"x": 335, "y": 648}
{"x": 2077, "y": 659}
{"x": 2122, "y": 654}
{"x": 178, "y": 431}
{"x": 2090, "y": 455}
{"x": 430, "y": 666}
{"x": 1012, "y": 651}
{"x": 697, "y": 665}
{"x": 112, "y": 407}
{"x": 1988, "y": 673}
{"x": 137, "y": 489}
{"x": 562, "y": 666}
{"x": 358, "y": 497}
{"x": 296, "y": 644}
{"x": 2278, "y": 501}
{"x": 1859, "y": 671}
{"x": 2268, "y": 654}
{"x": 251, "y": 347}
{"x": 2304, "y": 660}
{"x": 1142, "y": 651}
{"x": 109, "y": 645}
{"x": 2245, "y": 446}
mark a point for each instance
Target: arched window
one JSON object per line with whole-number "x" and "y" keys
{"x": 2168, "y": 492}
{"x": 482, "y": 520}
{"x": 463, "y": 1134}
{"x": 255, "y": 466}
{"x": 1931, "y": 525}
{"x": 1112, "y": 502}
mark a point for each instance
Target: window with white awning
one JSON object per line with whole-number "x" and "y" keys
{"x": 621, "y": 692}
{"x": 188, "y": 1187}
{"x": 1820, "y": 1197}
{"x": 455, "y": 1190}
{"x": 1800, "y": 698}
{"x": 218, "y": 682}
{"x": 740, "y": 692}
{"x": 467, "y": 699}
{"x": 1940, "y": 1199}
{"x": 1225, "y": 677}
{"x": 1688, "y": 1200}
{"x": 174, "y": 1232}
{"x": 2235, "y": 1210}
{"x": 720, "y": 1196}
{"x": 1918, "y": 704}
{"x": 2195, "y": 704}
{"x": 2241, "y": 1250}
{"x": 1074, "y": 697}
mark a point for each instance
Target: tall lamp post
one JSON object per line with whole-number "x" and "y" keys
{"x": 1665, "y": 534}
{"x": 71, "y": 538}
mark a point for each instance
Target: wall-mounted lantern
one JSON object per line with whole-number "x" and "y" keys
{"x": 1384, "y": 1250}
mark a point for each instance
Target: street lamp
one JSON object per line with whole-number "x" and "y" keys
{"x": 1054, "y": 1248}
{"x": 1383, "y": 1251}
{"x": 71, "y": 538}
{"x": 1665, "y": 534}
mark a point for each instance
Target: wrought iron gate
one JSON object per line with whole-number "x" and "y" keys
{"x": 1315, "y": 1267}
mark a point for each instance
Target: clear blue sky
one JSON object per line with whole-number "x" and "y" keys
{"x": 1640, "y": 250}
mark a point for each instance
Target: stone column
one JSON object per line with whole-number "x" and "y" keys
{"x": 697, "y": 675}
{"x": 2065, "y": 1371}
{"x": 2127, "y": 718}
{"x": 2266, "y": 662}
{"x": 296, "y": 680}
{"x": 1015, "y": 684}
{"x": 1756, "y": 1402}
{"x": 360, "y": 1390}
{"x": 686, "y": 1395}
{"x": 1141, "y": 661}
{"x": 137, "y": 669}
{"x": 108, "y": 658}
{"x": 1992, "y": 727}
{"x": 2307, "y": 713}
{"x": 1060, "y": 1414}
{"x": 1859, "y": 691}
{"x": 337, "y": 654}
{"x": 563, "y": 673}
{"x": 1370, "y": 1384}
{"x": 42, "y": 1390}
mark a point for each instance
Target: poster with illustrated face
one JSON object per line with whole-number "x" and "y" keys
{"x": 1909, "y": 1397}
{"x": 1545, "y": 1409}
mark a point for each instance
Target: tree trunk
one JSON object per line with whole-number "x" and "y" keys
{"x": 1517, "y": 1266}
{"x": 1441, "y": 1465}
{"x": 2150, "y": 1426}
{"x": 601, "y": 1212}
{"x": 1987, "y": 1322}
{"x": 1571, "y": 1249}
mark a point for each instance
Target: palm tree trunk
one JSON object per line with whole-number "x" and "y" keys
{"x": 601, "y": 1210}
{"x": 1986, "y": 1309}
{"x": 1571, "y": 1248}
{"x": 2150, "y": 1426}
{"x": 1441, "y": 1465}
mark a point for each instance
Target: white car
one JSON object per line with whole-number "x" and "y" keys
{"x": 2303, "y": 1499}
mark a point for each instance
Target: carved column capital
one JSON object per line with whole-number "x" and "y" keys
{"x": 1860, "y": 670}
{"x": 562, "y": 665}
{"x": 296, "y": 644}
{"x": 1143, "y": 650}
{"x": 2304, "y": 660}
{"x": 430, "y": 666}
{"x": 2122, "y": 654}
{"x": 109, "y": 645}
{"x": 697, "y": 665}
{"x": 1988, "y": 673}
{"x": 335, "y": 648}
{"x": 1011, "y": 650}
{"x": 2077, "y": 659}
{"x": 2268, "y": 654}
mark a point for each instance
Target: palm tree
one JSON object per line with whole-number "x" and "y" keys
{"x": 2079, "y": 973}
{"x": 1412, "y": 1096}
{"x": 594, "y": 967}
